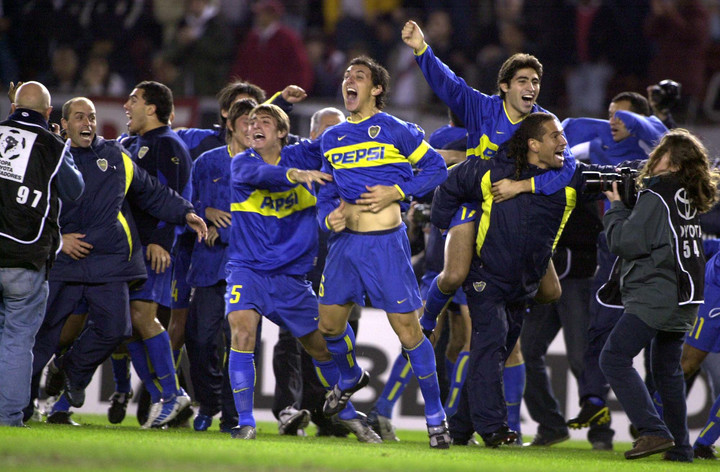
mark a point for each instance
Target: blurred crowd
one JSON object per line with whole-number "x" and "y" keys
{"x": 591, "y": 49}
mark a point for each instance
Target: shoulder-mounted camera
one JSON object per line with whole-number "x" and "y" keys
{"x": 596, "y": 182}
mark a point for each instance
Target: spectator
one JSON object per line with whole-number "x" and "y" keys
{"x": 202, "y": 47}
{"x": 272, "y": 55}
{"x": 681, "y": 31}
{"x": 63, "y": 75}
{"x": 97, "y": 80}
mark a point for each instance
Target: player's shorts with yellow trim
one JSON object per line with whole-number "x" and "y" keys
{"x": 286, "y": 300}
{"x": 705, "y": 334}
{"x": 466, "y": 213}
{"x": 375, "y": 263}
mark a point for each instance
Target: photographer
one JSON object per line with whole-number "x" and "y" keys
{"x": 661, "y": 279}
{"x": 628, "y": 134}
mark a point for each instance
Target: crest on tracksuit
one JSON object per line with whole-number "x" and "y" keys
{"x": 102, "y": 164}
{"x": 373, "y": 131}
{"x": 479, "y": 286}
{"x": 143, "y": 150}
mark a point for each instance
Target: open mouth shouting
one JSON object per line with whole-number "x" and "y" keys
{"x": 351, "y": 96}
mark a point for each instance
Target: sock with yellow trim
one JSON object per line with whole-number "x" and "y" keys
{"x": 241, "y": 369}
{"x": 457, "y": 379}
{"x": 711, "y": 431}
{"x": 422, "y": 361}
{"x": 177, "y": 357}
{"x": 342, "y": 349}
{"x": 400, "y": 375}
{"x": 514, "y": 385}
{"x": 435, "y": 302}
{"x": 139, "y": 358}
{"x": 121, "y": 371}
{"x": 161, "y": 358}
{"x": 328, "y": 374}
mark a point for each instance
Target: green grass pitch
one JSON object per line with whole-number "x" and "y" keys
{"x": 98, "y": 446}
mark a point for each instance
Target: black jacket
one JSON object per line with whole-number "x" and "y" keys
{"x": 103, "y": 215}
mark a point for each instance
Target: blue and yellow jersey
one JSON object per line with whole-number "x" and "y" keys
{"x": 486, "y": 119}
{"x": 210, "y": 182}
{"x": 381, "y": 150}
{"x": 273, "y": 220}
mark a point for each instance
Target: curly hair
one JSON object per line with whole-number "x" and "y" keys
{"x": 690, "y": 156}
{"x": 532, "y": 127}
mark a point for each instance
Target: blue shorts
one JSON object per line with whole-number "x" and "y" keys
{"x": 375, "y": 263}
{"x": 705, "y": 334}
{"x": 157, "y": 288}
{"x": 465, "y": 214}
{"x": 460, "y": 298}
{"x": 286, "y": 300}
{"x": 179, "y": 287}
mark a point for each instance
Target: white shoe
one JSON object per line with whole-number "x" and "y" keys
{"x": 170, "y": 408}
{"x": 152, "y": 414}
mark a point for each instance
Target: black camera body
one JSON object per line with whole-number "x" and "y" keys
{"x": 596, "y": 182}
{"x": 665, "y": 94}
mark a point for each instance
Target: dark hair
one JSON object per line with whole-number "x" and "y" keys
{"x": 281, "y": 118}
{"x": 228, "y": 94}
{"x": 513, "y": 64}
{"x": 155, "y": 93}
{"x": 531, "y": 127}
{"x": 380, "y": 76}
{"x": 638, "y": 103}
{"x": 690, "y": 156}
{"x": 238, "y": 109}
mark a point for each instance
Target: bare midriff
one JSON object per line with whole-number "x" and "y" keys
{"x": 358, "y": 218}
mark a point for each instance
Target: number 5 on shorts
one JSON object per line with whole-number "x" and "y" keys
{"x": 235, "y": 292}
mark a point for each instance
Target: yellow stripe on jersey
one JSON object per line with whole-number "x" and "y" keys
{"x": 486, "y": 186}
{"x": 277, "y": 204}
{"x": 366, "y": 154}
{"x": 129, "y": 171}
{"x": 418, "y": 153}
{"x": 570, "y": 201}
{"x": 129, "y": 175}
{"x": 485, "y": 150}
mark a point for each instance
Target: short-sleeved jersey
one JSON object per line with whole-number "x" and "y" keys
{"x": 380, "y": 150}
{"x": 486, "y": 119}
{"x": 273, "y": 220}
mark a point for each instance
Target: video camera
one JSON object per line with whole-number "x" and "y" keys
{"x": 596, "y": 182}
{"x": 665, "y": 94}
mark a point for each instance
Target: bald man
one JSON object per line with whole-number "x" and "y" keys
{"x": 36, "y": 171}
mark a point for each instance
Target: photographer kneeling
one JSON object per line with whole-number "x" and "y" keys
{"x": 661, "y": 284}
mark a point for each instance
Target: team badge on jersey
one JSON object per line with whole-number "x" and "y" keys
{"x": 102, "y": 164}
{"x": 479, "y": 286}
{"x": 373, "y": 131}
{"x": 175, "y": 160}
{"x": 143, "y": 150}
{"x": 15, "y": 148}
